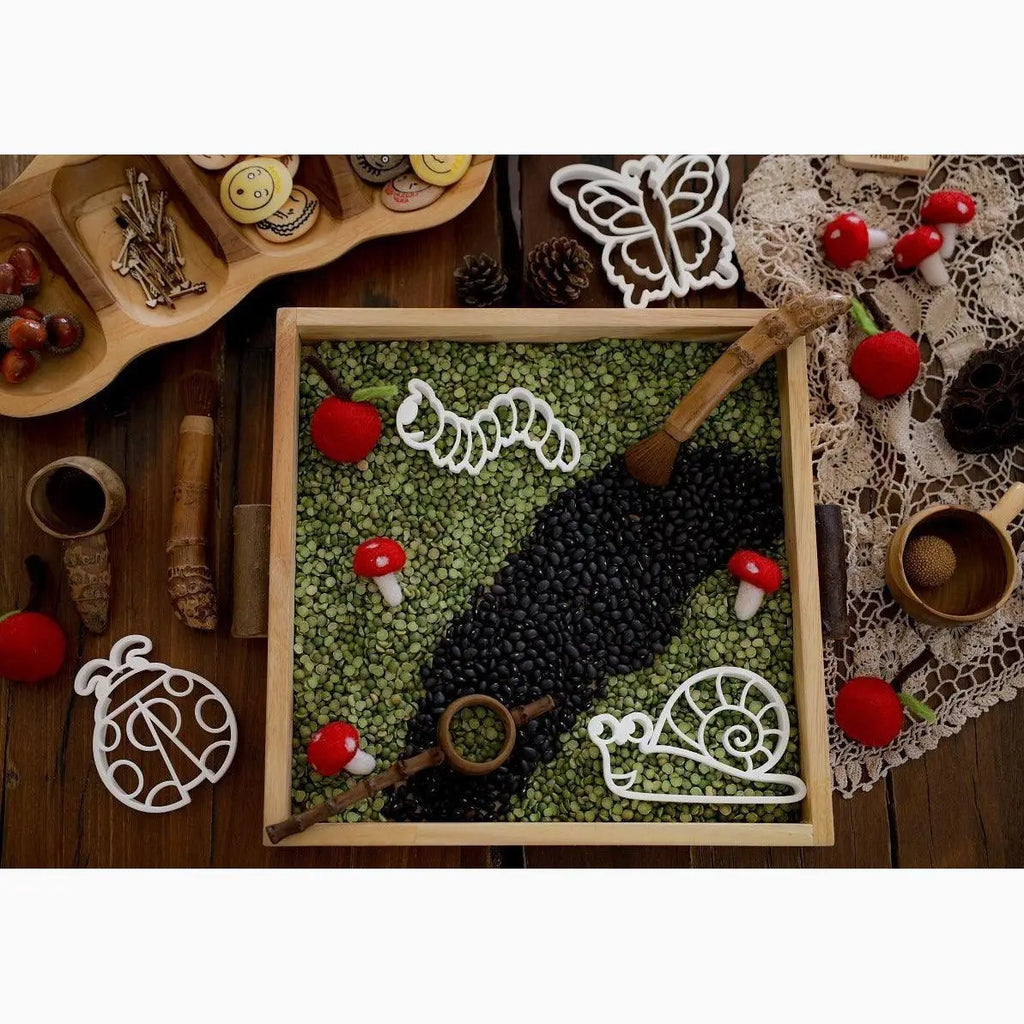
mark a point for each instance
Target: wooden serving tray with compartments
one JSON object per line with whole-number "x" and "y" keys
{"x": 63, "y": 207}
{"x": 297, "y": 328}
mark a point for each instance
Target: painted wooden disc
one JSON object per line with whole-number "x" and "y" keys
{"x": 407, "y": 192}
{"x": 440, "y": 170}
{"x": 253, "y": 190}
{"x": 294, "y": 219}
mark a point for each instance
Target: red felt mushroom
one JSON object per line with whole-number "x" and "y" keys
{"x": 335, "y": 748}
{"x": 380, "y": 559}
{"x": 758, "y": 575}
{"x": 947, "y": 211}
{"x": 846, "y": 240}
{"x": 885, "y": 363}
{"x": 920, "y": 248}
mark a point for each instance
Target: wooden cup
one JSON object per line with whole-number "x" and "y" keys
{"x": 986, "y": 563}
{"x": 76, "y": 500}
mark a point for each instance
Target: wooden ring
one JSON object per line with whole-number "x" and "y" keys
{"x": 444, "y": 734}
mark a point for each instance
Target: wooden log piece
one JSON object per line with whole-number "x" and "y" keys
{"x": 831, "y": 541}
{"x": 250, "y": 585}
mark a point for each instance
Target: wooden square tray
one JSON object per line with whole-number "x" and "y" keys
{"x": 299, "y": 327}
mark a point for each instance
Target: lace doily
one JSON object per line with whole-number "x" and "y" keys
{"x": 882, "y": 461}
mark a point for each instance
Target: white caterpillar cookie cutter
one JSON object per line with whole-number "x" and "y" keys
{"x": 139, "y": 719}
{"x": 467, "y": 445}
{"x": 741, "y": 729}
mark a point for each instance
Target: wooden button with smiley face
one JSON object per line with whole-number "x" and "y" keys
{"x": 294, "y": 219}
{"x": 440, "y": 170}
{"x": 407, "y": 192}
{"x": 380, "y": 168}
{"x": 213, "y": 163}
{"x": 255, "y": 189}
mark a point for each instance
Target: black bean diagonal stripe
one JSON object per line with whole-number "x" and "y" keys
{"x": 594, "y": 591}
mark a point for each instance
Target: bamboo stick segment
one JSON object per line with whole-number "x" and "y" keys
{"x": 189, "y": 579}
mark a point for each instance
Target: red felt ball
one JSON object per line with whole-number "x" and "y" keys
{"x": 869, "y": 711}
{"x": 345, "y": 431}
{"x": 886, "y": 364}
{"x": 32, "y": 647}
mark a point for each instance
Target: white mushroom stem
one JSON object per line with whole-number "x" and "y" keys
{"x": 748, "y": 600}
{"x": 933, "y": 270}
{"x": 389, "y": 588}
{"x": 362, "y": 763}
{"x": 877, "y": 238}
{"x": 949, "y": 233}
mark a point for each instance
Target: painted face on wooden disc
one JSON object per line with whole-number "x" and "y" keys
{"x": 407, "y": 192}
{"x": 255, "y": 189}
{"x": 213, "y": 163}
{"x": 380, "y": 168}
{"x": 440, "y": 170}
{"x": 294, "y": 219}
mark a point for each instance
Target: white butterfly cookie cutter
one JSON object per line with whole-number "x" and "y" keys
{"x": 467, "y": 445}
{"x": 613, "y": 208}
{"x": 736, "y": 739}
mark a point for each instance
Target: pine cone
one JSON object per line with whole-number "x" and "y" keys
{"x": 557, "y": 270}
{"x": 480, "y": 281}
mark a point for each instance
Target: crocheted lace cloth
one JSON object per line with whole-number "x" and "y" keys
{"x": 882, "y": 461}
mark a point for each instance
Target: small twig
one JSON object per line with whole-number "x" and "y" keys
{"x": 329, "y": 377}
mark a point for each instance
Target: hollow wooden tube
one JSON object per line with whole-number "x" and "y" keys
{"x": 250, "y": 585}
{"x": 189, "y": 579}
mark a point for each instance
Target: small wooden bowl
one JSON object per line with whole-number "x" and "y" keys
{"x": 986, "y": 563}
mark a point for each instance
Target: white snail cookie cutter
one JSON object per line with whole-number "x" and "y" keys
{"x": 610, "y": 207}
{"x": 467, "y": 445}
{"x": 755, "y": 745}
{"x": 144, "y": 730}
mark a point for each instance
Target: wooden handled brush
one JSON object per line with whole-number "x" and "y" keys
{"x": 651, "y": 461}
{"x": 189, "y": 579}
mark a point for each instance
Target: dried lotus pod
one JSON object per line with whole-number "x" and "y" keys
{"x": 87, "y": 565}
{"x": 984, "y": 407}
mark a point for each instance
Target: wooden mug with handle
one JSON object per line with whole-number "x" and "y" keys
{"x": 986, "y": 562}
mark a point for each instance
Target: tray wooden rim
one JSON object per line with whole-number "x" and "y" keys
{"x": 298, "y": 327}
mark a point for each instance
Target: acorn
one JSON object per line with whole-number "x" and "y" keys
{"x": 26, "y": 266}
{"x": 10, "y": 291}
{"x": 17, "y": 366}
{"x": 929, "y": 561}
{"x": 64, "y": 333}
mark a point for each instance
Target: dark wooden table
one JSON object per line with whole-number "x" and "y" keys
{"x": 958, "y": 806}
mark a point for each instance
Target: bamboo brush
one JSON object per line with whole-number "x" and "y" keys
{"x": 651, "y": 461}
{"x": 189, "y": 579}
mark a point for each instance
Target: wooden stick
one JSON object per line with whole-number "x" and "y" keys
{"x": 651, "y": 460}
{"x": 402, "y": 770}
{"x": 189, "y": 579}
{"x": 832, "y": 583}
